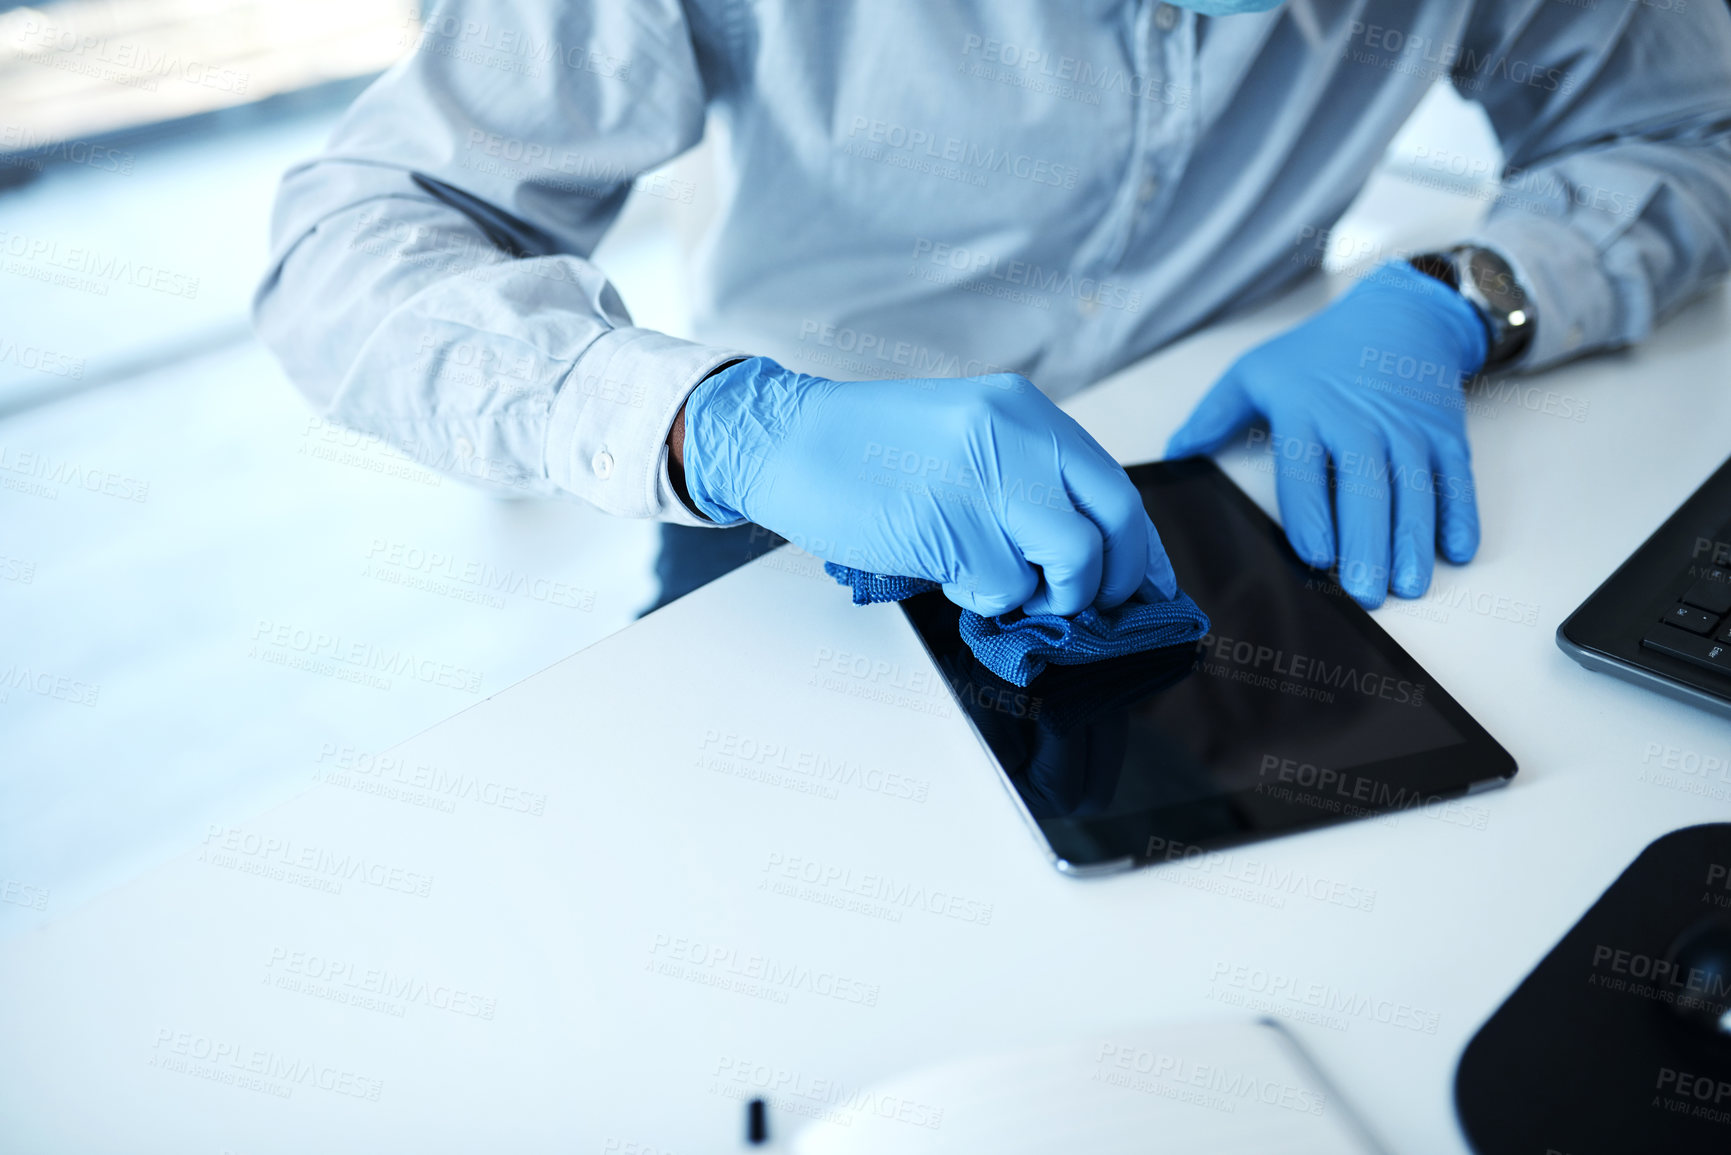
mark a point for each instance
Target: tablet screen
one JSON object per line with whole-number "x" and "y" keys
{"x": 1296, "y": 710}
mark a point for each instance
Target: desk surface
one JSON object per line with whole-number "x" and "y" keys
{"x": 562, "y": 920}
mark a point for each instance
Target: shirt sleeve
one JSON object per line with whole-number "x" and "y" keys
{"x": 1615, "y": 121}
{"x": 430, "y": 281}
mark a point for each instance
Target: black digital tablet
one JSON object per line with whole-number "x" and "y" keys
{"x": 1296, "y": 710}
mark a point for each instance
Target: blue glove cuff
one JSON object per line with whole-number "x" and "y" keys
{"x": 730, "y": 418}
{"x": 1398, "y": 285}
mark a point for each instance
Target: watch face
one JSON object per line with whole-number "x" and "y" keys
{"x": 1495, "y": 282}
{"x": 1490, "y": 286}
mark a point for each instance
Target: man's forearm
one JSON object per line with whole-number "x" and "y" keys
{"x": 676, "y": 457}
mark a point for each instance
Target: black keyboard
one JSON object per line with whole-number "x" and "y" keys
{"x": 1697, "y": 628}
{"x": 1663, "y": 620}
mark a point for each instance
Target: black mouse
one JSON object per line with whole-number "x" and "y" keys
{"x": 1701, "y": 958}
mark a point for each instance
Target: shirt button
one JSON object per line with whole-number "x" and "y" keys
{"x": 1149, "y": 190}
{"x": 1166, "y": 17}
{"x": 1087, "y": 306}
{"x": 603, "y": 465}
{"x": 465, "y": 448}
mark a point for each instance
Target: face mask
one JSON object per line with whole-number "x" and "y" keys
{"x": 1227, "y": 7}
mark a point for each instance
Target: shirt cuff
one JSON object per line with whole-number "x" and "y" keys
{"x": 1574, "y": 302}
{"x": 607, "y": 440}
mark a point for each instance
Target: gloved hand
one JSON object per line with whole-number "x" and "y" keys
{"x": 971, "y": 481}
{"x": 1371, "y": 387}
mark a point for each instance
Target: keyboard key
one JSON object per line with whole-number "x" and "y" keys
{"x": 1676, "y": 643}
{"x": 1711, "y": 593}
{"x": 1691, "y": 619}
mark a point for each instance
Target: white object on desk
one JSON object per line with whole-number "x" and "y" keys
{"x": 1228, "y": 1087}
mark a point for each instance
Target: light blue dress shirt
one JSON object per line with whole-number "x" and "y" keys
{"x": 929, "y": 188}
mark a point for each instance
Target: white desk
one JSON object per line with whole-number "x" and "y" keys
{"x": 600, "y": 938}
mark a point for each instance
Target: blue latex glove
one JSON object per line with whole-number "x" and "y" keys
{"x": 979, "y": 483}
{"x": 1370, "y": 389}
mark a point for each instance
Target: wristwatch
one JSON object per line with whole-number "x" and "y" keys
{"x": 1489, "y": 286}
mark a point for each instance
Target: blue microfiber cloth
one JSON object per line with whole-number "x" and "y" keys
{"x": 1016, "y": 646}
